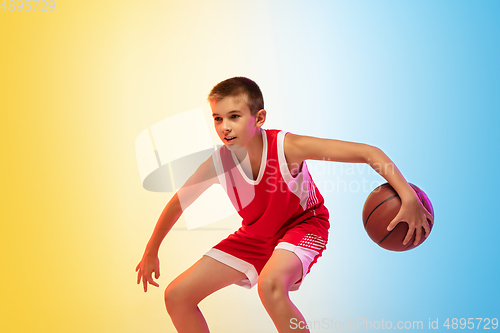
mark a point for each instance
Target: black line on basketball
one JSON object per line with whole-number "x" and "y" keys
{"x": 366, "y": 222}
{"x": 386, "y": 236}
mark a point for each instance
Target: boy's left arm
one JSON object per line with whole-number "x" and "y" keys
{"x": 299, "y": 148}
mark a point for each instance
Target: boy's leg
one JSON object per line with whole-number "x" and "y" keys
{"x": 282, "y": 270}
{"x": 184, "y": 293}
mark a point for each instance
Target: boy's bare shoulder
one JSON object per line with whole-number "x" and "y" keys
{"x": 299, "y": 148}
{"x": 292, "y": 148}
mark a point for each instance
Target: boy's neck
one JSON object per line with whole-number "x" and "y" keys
{"x": 254, "y": 148}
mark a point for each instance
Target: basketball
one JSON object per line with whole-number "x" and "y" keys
{"x": 381, "y": 207}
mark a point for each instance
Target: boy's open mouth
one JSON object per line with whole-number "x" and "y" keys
{"x": 229, "y": 138}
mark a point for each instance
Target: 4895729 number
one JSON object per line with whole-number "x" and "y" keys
{"x": 471, "y": 323}
{"x": 27, "y": 5}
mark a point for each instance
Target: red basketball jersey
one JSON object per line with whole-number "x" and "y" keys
{"x": 277, "y": 200}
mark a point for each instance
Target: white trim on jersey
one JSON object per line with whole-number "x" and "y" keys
{"x": 295, "y": 184}
{"x": 246, "y": 162}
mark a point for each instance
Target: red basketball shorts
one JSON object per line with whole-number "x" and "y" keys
{"x": 249, "y": 254}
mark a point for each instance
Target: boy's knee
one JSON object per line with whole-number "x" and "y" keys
{"x": 178, "y": 297}
{"x": 271, "y": 288}
{"x": 173, "y": 297}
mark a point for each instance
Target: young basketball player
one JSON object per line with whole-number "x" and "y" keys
{"x": 285, "y": 223}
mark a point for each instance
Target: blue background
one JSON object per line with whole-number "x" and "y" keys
{"x": 420, "y": 80}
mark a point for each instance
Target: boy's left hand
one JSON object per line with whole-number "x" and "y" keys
{"x": 416, "y": 215}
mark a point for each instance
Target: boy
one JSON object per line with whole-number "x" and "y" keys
{"x": 285, "y": 223}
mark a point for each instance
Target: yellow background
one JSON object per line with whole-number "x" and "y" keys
{"x": 77, "y": 85}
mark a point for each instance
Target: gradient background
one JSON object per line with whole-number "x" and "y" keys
{"x": 419, "y": 79}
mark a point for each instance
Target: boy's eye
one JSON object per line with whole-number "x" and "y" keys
{"x": 234, "y": 116}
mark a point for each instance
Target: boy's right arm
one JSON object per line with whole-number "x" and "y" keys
{"x": 204, "y": 177}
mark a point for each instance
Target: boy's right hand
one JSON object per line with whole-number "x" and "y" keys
{"x": 145, "y": 269}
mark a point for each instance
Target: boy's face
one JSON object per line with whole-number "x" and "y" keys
{"x": 233, "y": 121}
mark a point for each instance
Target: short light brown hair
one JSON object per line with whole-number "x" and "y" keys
{"x": 242, "y": 87}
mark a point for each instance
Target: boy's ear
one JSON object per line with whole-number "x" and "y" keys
{"x": 260, "y": 117}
